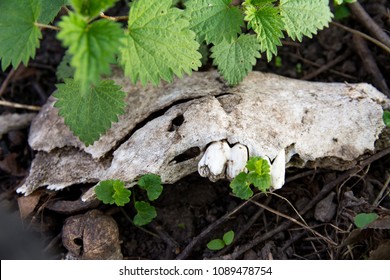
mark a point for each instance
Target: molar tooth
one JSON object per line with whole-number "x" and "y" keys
{"x": 213, "y": 162}
{"x": 237, "y": 161}
{"x": 278, "y": 170}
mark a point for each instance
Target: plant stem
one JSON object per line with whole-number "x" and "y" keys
{"x": 19, "y": 106}
{"x": 41, "y": 25}
{"x": 361, "y": 34}
{"x": 119, "y": 18}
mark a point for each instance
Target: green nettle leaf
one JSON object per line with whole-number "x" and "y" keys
{"x": 89, "y": 115}
{"x": 235, "y": 59}
{"x": 228, "y": 237}
{"x": 64, "y": 70}
{"x": 266, "y": 21}
{"x": 216, "y": 244}
{"x": 386, "y": 118}
{"x": 113, "y": 191}
{"x": 92, "y": 45}
{"x": 50, "y": 9}
{"x": 364, "y": 219}
{"x": 214, "y": 20}
{"x": 158, "y": 43}
{"x": 240, "y": 186}
{"x": 91, "y": 8}
{"x": 145, "y": 213}
{"x": 302, "y": 17}
{"x": 19, "y": 36}
{"x": 152, "y": 184}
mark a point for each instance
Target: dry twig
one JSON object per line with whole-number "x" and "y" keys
{"x": 187, "y": 250}
{"x": 365, "y": 19}
{"x": 370, "y": 64}
{"x": 19, "y": 106}
{"x": 327, "y": 66}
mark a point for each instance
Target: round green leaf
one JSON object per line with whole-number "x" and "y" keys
{"x": 152, "y": 184}
{"x": 216, "y": 244}
{"x": 145, "y": 213}
{"x": 364, "y": 219}
{"x": 228, "y": 237}
{"x": 240, "y": 186}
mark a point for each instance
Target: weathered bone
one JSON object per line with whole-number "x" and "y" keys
{"x": 166, "y": 130}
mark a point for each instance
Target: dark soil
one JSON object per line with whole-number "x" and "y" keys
{"x": 193, "y": 211}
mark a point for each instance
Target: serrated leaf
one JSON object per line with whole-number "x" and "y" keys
{"x": 228, "y": 237}
{"x": 113, "y": 191}
{"x": 303, "y": 17}
{"x": 92, "y": 45}
{"x": 240, "y": 186}
{"x": 214, "y": 20}
{"x": 266, "y": 21}
{"x": 235, "y": 59}
{"x": 364, "y": 219}
{"x": 158, "y": 43}
{"x": 216, "y": 244}
{"x": 64, "y": 69}
{"x": 89, "y": 115}
{"x": 91, "y": 8}
{"x": 145, "y": 213}
{"x": 386, "y": 118}
{"x": 19, "y": 36}
{"x": 50, "y": 9}
{"x": 152, "y": 184}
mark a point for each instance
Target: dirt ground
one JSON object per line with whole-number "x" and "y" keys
{"x": 194, "y": 210}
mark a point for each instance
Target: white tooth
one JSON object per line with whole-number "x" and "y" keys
{"x": 237, "y": 161}
{"x": 278, "y": 170}
{"x": 213, "y": 162}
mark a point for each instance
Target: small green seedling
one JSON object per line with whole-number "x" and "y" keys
{"x": 386, "y": 118}
{"x": 218, "y": 244}
{"x": 364, "y": 219}
{"x": 145, "y": 213}
{"x": 114, "y": 192}
{"x": 258, "y": 175}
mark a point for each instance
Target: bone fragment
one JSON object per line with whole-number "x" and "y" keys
{"x": 321, "y": 125}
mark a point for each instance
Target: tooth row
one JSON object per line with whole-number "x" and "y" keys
{"x": 220, "y": 161}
